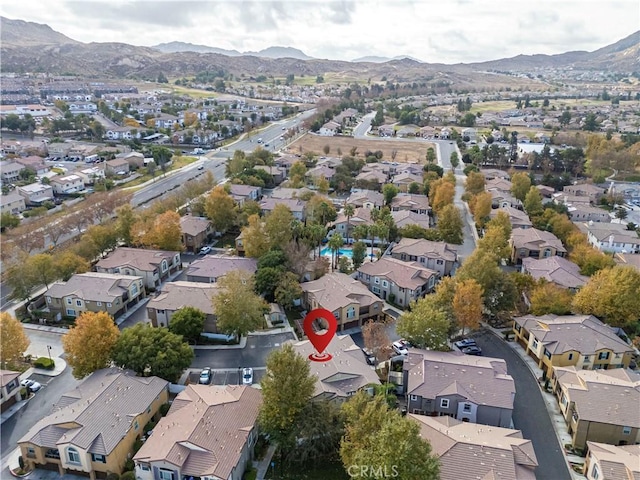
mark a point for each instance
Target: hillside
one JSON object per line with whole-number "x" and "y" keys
{"x": 23, "y": 34}
{"x": 271, "y": 52}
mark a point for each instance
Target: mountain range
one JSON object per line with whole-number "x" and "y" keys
{"x": 32, "y": 47}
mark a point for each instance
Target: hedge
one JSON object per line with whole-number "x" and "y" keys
{"x": 44, "y": 362}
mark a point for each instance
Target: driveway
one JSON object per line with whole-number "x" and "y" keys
{"x": 529, "y": 411}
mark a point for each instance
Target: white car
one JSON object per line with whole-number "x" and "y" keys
{"x": 31, "y": 385}
{"x": 247, "y": 376}
{"x": 205, "y": 250}
{"x": 400, "y": 347}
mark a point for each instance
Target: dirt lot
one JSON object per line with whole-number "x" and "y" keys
{"x": 406, "y": 150}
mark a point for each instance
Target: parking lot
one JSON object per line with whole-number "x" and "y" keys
{"x": 226, "y": 376}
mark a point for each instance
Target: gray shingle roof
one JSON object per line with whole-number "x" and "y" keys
{"x": 93, "y": 286}
{"x": 216, "y": 266}
{"x": 139, "y": 258}
{"x": 409, "y": 275}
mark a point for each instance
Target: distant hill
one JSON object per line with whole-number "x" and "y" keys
{"x": 375, "y": 59}
{"x": 271, "y": 52}
{"x": 21, "y": 33}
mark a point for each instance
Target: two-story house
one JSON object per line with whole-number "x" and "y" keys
{"x": 469, "y": 388}
{"x": 209, "y": 432}
{"x": 349, "y": 300}
{"x": 175, "y": 295}
{"x": 403, "y": 218}
{"x": 585, "y": 190}
{"x": 439, "y": 256}
{"x": 517, "y": 218}
{"x": 344, "y": 374}
{"x": 599, "y": 405}
{"x": 12, "y": 203}
{"x": 154, "y": 266}
{"x": 531, "y": 242}
{"x": 10, "y": 172}
{"x": 94, "y": 292}
{"x": 414, "y": 203}
{"x": 588, "y": 213}
{"x": 397, "y": 281}
{"x": 579, "y": 340}
{"x": 9, "y": 389}
{"x": 555, "y": 269}
{"x": 117, "y": 166}
{"x": 361, "y": 216}
{"x": 210, "y": 268}
{"x": 366, "y": 198}
{"x": 296, "y": 206}
{"x": 92, "y": 429}
{"x": 611, "y": 462}
{"x": 65, "y": 185}
{"x": 35, "y": 194}
{"x": 196, "y": 232}
{"x": 611, "y": 237}
{"x": 242, "y": 193}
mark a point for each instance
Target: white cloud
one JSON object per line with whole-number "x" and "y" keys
{"x": 443, "y": 32}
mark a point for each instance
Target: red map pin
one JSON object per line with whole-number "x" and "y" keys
{"x": 320, "y": 341}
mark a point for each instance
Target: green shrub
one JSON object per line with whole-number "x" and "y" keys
{"x": 129, "y": 466}
{"x": 113, "y": 476}
{"x": 164, "y": 408}
{"x": 250, "y": 474}
{"x": 44, "y": 362}
{"x": 128, "y": 475}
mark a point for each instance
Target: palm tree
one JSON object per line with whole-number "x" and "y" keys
{"x": 348, "y": 212}
{"x": 335, "y": 243}
{"x": 315, "y": 234}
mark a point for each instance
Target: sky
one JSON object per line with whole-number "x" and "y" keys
{"x": 444, "y": 31}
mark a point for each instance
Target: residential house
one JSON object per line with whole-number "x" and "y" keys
{"x": 361, "y": 216}
{"x": 404, "y": 180}
{"x": 611, "y": 462}
{"x": 239, "y": 242}
{"x": 503, "y": 199}
{"x": 374, "y": 178}
{"x": 611, "y": 237}
{"x": 403, "y": 218}
{"x": 397, "y": 281}
{"x": 330, "y": 129}
{"x": 90, "y": 175}
{"x": 587, "y": 213}
{"x": 92, "y": 429}
{"x": 585, "y": 190}
{"x": 68, "y": 184}
{"x": 439, "y": 256}
{"x": 545, "y": 191}
{"x": 196, "y": 232}
{"x": 94, "y": 292}
{"x": 555, "y": 269}
{"x": 628, "y": 260}
{"x": 498, "y": 183}
{"x": 517, "y": 218}
{"x": 210, "y": 268}
{"x": 10, "y": 172}
{"x": 414, "y": 203}
{"x": 165, "y": 120}
{"x": 12, "y": 203}
{"x": 467, "y": 452}
{"x": 348, "y": 299}
{"x": 9, "y": 389}
{"x": 366, "y": 198}
{"x": 599, "y": 405}
{"x": 175, "y": 295}
{"x": 344, "y": 374}
{"x": 296, "y": 206}
{"x": 466, "y": 387}
{"x": 407, "y": 131}
{"x": 278, "y": 174}
{"x": 531, "y": 242}
{"x": 386, "y": 131}
{"x": 242, "y": 193}
{"x": 35, "y": 194}
{"x": 321, "y": 171}
{"x": 562, "y": 198}
{"x": 282, "y": 193}
{"x": 428, "y": 132}
{"x": 117, "y": 166}
{"x": 33, "y": 163}
{"x": 469, "y": 132}
{"x": 209, "y": 433}
{"x": 493, "y": 173}
{"x": 154, "y": 266}
{"x": 445, "y": 133}
{"x": 134, "y": 159}
{"x": 579, "y": 340}
{"x": 122, "y": 133}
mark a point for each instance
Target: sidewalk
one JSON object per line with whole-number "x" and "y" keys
{"x": 557, "y": 420}
{"x": 263, "y": 465}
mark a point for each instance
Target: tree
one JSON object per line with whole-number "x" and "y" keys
{"x": 358, "y": 254}
{"x": 467, "y": 304}
{"x": 68, "y": 263}
{"x": 101, "y": 238}
{"x": 376, "y": 339}
{"x": 8, "y": 221}
{"x": 482, "y": 208}
{"x": 381, "y": 440}
{"x": 166, "y": 233}
{"x": 220, "y": 209}
{"x": 475, "y": 183}
{"x": 495, "y": 241}
{"x": 520, "y": 185}
{"x": 188, "y": 322}
{"x": 547, "y": 297}
{"x": 389, "y": 191}
{"x": 533, "y": 203}
{"x": 238, "y": 308}
{"x": 44, "y": 268}
{"x": 349, "y": 211}
{"x": 22, "y": 278}
{"x": 318, "y": 431}
{"x": 335, "y": 244}
{"x": 425, "y": 325}
{"x": 277, "y": 226}
{"x": 450, "y": 225}
{"x": 13, "y": 340}
{"x": 266, "y": 281}
{"x": 90, "y": 342}
{"x": 454, "y": 158}
{"x": 441, "y": 194}
{"x": 589, "y": 259}
{"x": 612, "y": 295}
{"x": 320, "y": 210}
{"x": 288, "y": 290}
{"x": 255, "y": 238}
{"x": 431, "y": 155}
{"x": 125, "y": 222}
{"x": 287, "y": 388}
{"x": 151, "y": 351}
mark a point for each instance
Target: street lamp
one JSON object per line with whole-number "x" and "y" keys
{"x": 49, "y": 350}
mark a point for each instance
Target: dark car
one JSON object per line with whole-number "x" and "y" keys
{"x": 472, "y": 350}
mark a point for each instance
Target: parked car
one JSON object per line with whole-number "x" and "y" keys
{"x": 472, "y": 350}
{"x": 465, "y": 342}
{"x": 247, "y": 376}
{"x": 401, "y": 347}
{"x": 369, "y": 356}
{"x": 205, "y": 376}
{"x": 31, "y": 385}
{"x": 204, "y": 250}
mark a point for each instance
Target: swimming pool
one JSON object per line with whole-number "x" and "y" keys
{"x": 346, "y": 252}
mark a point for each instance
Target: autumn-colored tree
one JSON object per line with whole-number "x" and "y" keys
{"x": 89, "y": 343}
{"x": 425, "y": 325}
{"x": 320, "y": 210}
{"x": 441, "y": 194}
{"x": 68, "y": 263}
{"x": 474, "y": 184}
{"x": 55, "y": 229}
{"x": 277, "y": 226}
{"x": 520, "y": 185}
{"x": 501, "y": 219}
{"x": 254, "y": 238}
{"x": 468, "y": 304}
{"x": 166, "y": 233}
{"x": 238, "y": 308}
{"x": 450, "y": 225}
{"x": 547, "y": 297}
{"x": 481, "y": 208}
{"x": 613, "y": 294}
{"x": 589, "y": 259}
{"x": 376, "y": 339}
{"x": 533, "y": 203}
{"x": 220, "y": 208}
{"x": 495, "y": 241}
{"x": 101, "y": 238}
{"x": 13, "y": 340}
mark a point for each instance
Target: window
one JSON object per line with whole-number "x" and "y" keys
{"x": 149, "y": 409}
{"x": 414, "y": 398}
{"x": 73, "y": 455}
{"x": 444, "y": 403}
{"x": 69, "y": 302}
{"x": 376, "y": 280}
{"x": 135, "y": 425}
{"x": 603, "y": 356}
{"x": 164, "y": 266}
{"x": 466, "y": 408}
{"x": 626, "y": 430}
{"x": 375, "y": 289}
{"x": 98, "y": 458}
{"x": 439, "y": 262}
{"x": 587, "y": 359}
{"x": 547, "y": 354}
{"x": 385, "y": 284}
{"x": 134, "y": 289}
{"x": 144, "y": 467}
{"x": 423, "y": 260}
{"x": 48, "y": 299}
{"x": 351, "y": 312}
{"x": 71, "y": 312}
{"x": 570, "y": 356}
{"x": 78, "y": 303}
{"x": 547, "y": 252}
{"x": 535, "y": 343}
{"x": 31, "y": 452}
{"x": 595, "y": 472}
{"x": 108, "y": 304}
{"x": 99, "y": 304}
{"x": 165, "y": 474}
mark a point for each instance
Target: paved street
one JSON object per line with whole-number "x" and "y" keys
{"x": 529, "y": 412}
{"x": 228, "y": 376}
